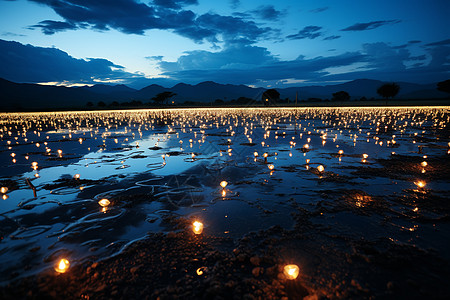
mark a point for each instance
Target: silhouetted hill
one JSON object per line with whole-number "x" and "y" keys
{"x": 108, "y": 89}
{"x": 24, "y": 96}
{"x": 19, "y": 96}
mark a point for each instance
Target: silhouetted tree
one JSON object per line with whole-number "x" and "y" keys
{"x": 163, "y": 97}
{"x": 444, "y": 86}
{"x": 101, "y": 104}
{"x": 89, "y": 104}
{"x": 341, "y": 96}
{"x": 115, "y": 103}
{"x": 270, "y": 96}
{"x": 388, "y": 90}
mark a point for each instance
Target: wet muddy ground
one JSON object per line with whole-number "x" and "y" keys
{"x": 357, "y": 198}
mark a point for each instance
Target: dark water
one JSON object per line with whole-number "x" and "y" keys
{"x": 152, "y": 165}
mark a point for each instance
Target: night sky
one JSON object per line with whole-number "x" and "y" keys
{"x": 256, "y": 43}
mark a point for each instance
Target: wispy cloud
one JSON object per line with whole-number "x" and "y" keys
{"x": 267, "y": 12}
{"x": 440, "y": 43}
{"x": 332, "y": 37}
{"x": 309, "y": 32}
{"x": 370, "y": 25}
{"x": 319, "y": 10}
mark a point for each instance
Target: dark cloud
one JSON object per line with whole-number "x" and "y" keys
{"x": 309, "y": 32}
{"x": 320, "y": 9}
{"x": 51, "y": 27}
{"x": 332, "y": 37}
{"x": 26, "y": 63}
{"x": 414, "y": 42}
{"x": 370, "y": 25}
{"x": 174, "y": 4}
{"x": 239, "y": 62}
{"x": 247, "y": 64}
{"x": 267, "y": 12}
{"x": 132, "y": 17}
{"x": 440, "y": 43}
{"x": 419, "y": 57}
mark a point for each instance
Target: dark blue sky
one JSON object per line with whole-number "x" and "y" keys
{"x": 257, "y": 43}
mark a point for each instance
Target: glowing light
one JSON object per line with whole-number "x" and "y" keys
{"x": 62, "y": 266}
{"x": 420, "y": 183}
{"x": 3, "y": 189}
{"x": 271, "y": 167}
{"x": 365, "y": 155}
{"x": 424, "y": 164}
{"x": 200, "y": 271}
{"x": 291, "y": 271}
{"x": 341, "y": 152}
{"x": 76, "y": 176}
{"x": 255, "y": 154}
{"x": 197, "y": 227}
{"x": 104, "y": 202}
{"x": 4, "y": 196}
{"x": 320, "y": 168}
{"x": 223, "y": 184}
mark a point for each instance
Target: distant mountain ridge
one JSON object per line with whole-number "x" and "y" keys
{"x": 17, "y": 96}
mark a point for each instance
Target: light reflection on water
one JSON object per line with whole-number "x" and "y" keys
{"x": 154, "y": 164}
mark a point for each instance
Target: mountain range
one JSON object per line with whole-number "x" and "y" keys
{"x": 26, "y": 96}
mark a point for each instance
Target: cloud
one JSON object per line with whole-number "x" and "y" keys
{"x": 440, "y": 43}
{"x": 174, "y": 4}
{"x": 370, "y": 25}
{"x": 238, "y": 62}
{"x": 51, "y": 27}
{"x": 332, "y": 37}
{"x": 26, "y": 63}
{"x": 133, "y": 17}
{"x": 309, "y": 32}
{"x": 414, "y": 42}
{"x": 248, "y": 64}
{"x": 7, "y": 33}
{"x": 267, "y": 12}
{"x": 319, "y": 10}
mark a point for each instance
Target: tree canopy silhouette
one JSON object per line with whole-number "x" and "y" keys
{"x": 444, "y": 86}
{"x": 341, "y": 96}
{"x": 270, "y": 96}
{"x": 388, "y": 90}
{"x": 163, "y": 97}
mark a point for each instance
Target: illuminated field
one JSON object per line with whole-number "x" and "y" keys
{"x": 86, "y": 184}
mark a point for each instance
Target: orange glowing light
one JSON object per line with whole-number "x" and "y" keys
{"x": 197, "y": 227}
{"x": 341, "y": 152}
{"x": 271, "y": 167}
{"x": 291, "y": 271}
{"x": 320, "y": 168}
{"x": 104, "y": 202}
{"x": 223, "y": 184}
{"x": 365, "y": 155}
{"x": 76, "y": 176}
{"x": 62, "y": 266}
{"x": 424, "y": 164}
{"x": 3, "y": 189}
{"x": 420, "y": 183}
{"x": 200, "y": 271}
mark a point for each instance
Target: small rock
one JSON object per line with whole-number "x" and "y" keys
{"x": 257, "y": 271}
{"x": 255, "y": 260}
